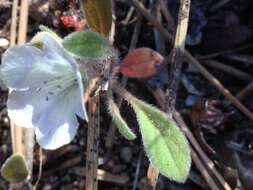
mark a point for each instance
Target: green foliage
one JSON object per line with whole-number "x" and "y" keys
{"x": 99, "y": 15}
{"x": 164, "y": 143}
{"x": 119, "y": 121}
{"x": 14, "y": 170}
{"x": 88, "y": 44}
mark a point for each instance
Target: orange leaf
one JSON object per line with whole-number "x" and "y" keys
{"x": 141, "y": 63}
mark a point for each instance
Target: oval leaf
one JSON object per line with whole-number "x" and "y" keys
{"x": 99, "y": 15}
{"x": 166, "y": 146}
{"x": 122, "y": 126}
{"x": 14, "y": 170}
{"x": 141, "y": 63}
{"x": 88, "y": 44}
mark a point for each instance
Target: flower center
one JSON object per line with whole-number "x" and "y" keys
{"x": 56, "y": 85}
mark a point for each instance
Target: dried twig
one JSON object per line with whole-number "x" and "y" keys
{"x": 203, "y": 171}
{"x": 23, "y": 20}
{"x": 137, "y": 171}
{"x": 27, "y": 134}
{"x": 246, "y": 92}
{"x": 247, "y": 59}
{"x": 177, "y": 55}
{"x": 195, "y": 62}
{"x": 40, "y": 169}
{"x": 228, "y": 69}
{"x": 128, "y": 17}
{"x": 218, "y": 5}
{"x": 101, "y": 174}
{"x": 14, "y": 23}
{"x": 16, "y": 133}
{"x": 213, "y": 55}
{"x": 92, "y": 144}
{"x": 167, "y": 15}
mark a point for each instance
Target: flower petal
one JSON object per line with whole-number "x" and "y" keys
{"x": 24, "y": 66}
{"x": 57, "y": 136}
{"x": 19, "y": 112}
{"x": 57, "y": 125}
{"x": 49, "y": 115}
{"x": 54, "y": 50}
{"x": 82, "y": 111}
{"x": 17, "y": 66}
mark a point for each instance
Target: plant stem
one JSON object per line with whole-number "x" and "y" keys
{"x": 177, "y": 55}
{"x": 92, "y": 144}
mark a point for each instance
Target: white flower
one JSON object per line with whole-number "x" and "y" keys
{"x": 46, "y": 91}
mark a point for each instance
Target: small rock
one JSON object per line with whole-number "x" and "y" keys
{"x": 126, "y": 154}
{"x": 47, "y": 187}
{"x": 4, "y": 43}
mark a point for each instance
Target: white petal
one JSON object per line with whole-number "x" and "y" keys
{"x": 19, "y": 112}
{"x": 82, "y": 111}
{"x": 50, "y": 115}
{"x": 54, "y": 50}
{"x": 25, "y": 66}
{"x": 57, "y": 137}
{"x": 17, "y": 64}
{"x": 57, "y": 125}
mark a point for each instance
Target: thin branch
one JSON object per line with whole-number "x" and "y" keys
{"x": 14, "y": 22}
{"x": 203, "y": 171}
{"x": 137, "y": 171}
{"x": 23, "y": 20}
{"x": 27, "y": 134}
{"x": 102, "y": 175}
{"x": 225, "y": 52}
{"x": 218, "y": 5}
{"x": 92, "y": 144}
{"x": 177, "y": 55}
{"x": 246, "y": 92}
{"x": 228, "y": 69}
{"x": 40, "y": 169}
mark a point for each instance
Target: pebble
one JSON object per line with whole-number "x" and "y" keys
{"x": 4, "y": 43}
{"x": 126, "y": 154}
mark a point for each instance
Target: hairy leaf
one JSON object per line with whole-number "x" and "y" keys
{"x": 119, "y": 121}
{"x": 88, "y": 44}
{"x": 166, "y": 146}
{"x": 99, "y": 15}
{"x": 14, "y": 170}
{"x": 141, "y": 63}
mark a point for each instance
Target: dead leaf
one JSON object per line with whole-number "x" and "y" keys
{"x": 141, "y": 63}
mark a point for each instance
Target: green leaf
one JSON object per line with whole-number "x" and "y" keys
{"x": 164, "y": 143}
{"x": 88, "y": 44}
{"x": 14, "y": 170}
{"x": 122, "y": 126}
{"x": 98, "y": 15}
